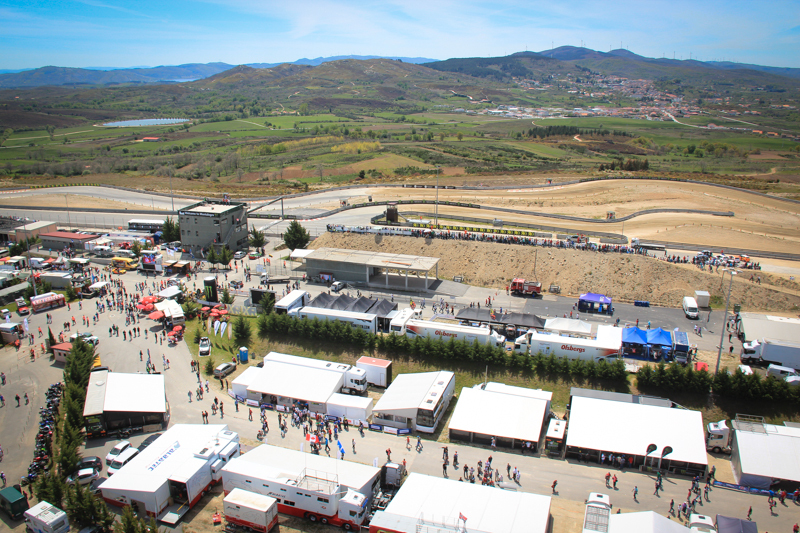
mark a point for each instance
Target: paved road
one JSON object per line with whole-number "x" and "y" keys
{"x": 17, "y": 425}
{"x": 142, "y": 199}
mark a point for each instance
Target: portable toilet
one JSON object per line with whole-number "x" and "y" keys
{"x": 243, "y": 354}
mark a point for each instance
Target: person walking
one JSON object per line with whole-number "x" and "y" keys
{"x": 354, "y": 446}
{"x": 672, "y": 507}
{"x": 250, "y": 415}
{"x": 608, "y": 478}
{"x": 635, "y": 493}
{"x": 750, "y": 513}
{"x": 614, "y": 479}
{"x": 553, "y": 486}
{"x": 389, "y": 454}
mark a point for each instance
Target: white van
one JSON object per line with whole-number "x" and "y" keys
{"x": 690, "y": 307}
{"x": 122, "y": 459}
{"x": 780, "y": 372}
{"x": 103, "y": 251}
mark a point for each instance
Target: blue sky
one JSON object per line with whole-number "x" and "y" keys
{"x": 91, "y": 33}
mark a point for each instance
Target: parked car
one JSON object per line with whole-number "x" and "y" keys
{"x": 122, "y": 459}
{"x": 239, "y": 255}
{"x": 24, "y": 310}
{"x": 223, "y": 370}
{"x": 149, "y": 440}
{"x": 237, "y": 284}
{"x": 85, "y": 337}
{"x": 90, "y": 462}
{"x": 205, "y": 346}
{"x": 116, "y": 450}
{"x": 336, "y": 286}
{"x": 84, "y": 476}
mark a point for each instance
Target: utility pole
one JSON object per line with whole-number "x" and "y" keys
{"x": 66, "y": 199}
{"x": 437, "y": 196}
{"x": 725, "y": 319}
{"x": 171, "y": 192}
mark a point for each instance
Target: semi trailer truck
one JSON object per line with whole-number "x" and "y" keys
{"x": 605, "y": 346}
{"x": 355, "y": 379}
{"x": 426, "y": 328}
{"x": 771, "y": 351}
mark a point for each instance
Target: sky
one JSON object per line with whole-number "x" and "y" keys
{"x": 112, "y": 33}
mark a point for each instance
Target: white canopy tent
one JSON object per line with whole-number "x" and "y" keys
{"x": 512, "y": 419}
{"x": 629, "y": 428}
{"x": 765, "y": 452}
{"x": 569, "y": 326}
{"x": 444, "y": 505}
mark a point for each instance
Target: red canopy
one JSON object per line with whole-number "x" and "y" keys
{"x": 172, "y": 333}
{"x": 140, "y": 307}
{"x": 205, "y": 308}
{"x": 149, "y": 307}
{"x": 177, "y": 328}
{"x": 156, "y": 315}
{"x": 149, "y": 299}
{"x": 223, "y": 312}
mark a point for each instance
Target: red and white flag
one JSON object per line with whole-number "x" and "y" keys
{"x": 462, "y": 517}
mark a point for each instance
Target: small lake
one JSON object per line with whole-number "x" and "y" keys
{"x": 146, "y": 122}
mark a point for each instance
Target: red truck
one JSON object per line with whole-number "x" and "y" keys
{"x": 522, "y": 287}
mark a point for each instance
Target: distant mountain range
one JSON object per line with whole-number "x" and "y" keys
{"x": 113, "y": 75}
{"x": 542, "y": 65}
{"x": 522, "y": 64}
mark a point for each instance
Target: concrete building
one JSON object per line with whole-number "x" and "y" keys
{"x": 373, "y": 269}
{"x": 58, "y": 240}
{"x": 214, "y": 223}
{"x": 33, "y": 230}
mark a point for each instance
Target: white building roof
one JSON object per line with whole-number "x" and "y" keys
{"x": 139, "y": 393}
{"x": 300, "y": 253}
{"x": 498, "y": 414}
{"x": 630, "y": 428}
{"x": 247, "y": 377}
{"x": 348, "y": 400}
{"x": 644, "y": 522}
{"x": 149, "y": 470}
{"x": 298, "y": 382}
{"x": 268, "y": 461}
{"x": 773, "y": 453}
{"x": 434, "y": 500}
{"x": 538, "y": 394}
{"x": 412, "y": 391}
{"x": 117, "y": 391}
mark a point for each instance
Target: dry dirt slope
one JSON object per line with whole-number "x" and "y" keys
{"x": 624, "y": 277}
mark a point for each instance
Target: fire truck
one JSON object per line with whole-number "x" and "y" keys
{"x": 522, "y": 287}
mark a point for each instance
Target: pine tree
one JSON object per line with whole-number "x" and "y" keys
{"x": 296, "y": 236}
{"x": 241, "y": 331}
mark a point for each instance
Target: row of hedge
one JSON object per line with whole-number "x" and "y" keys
{"x": 432, "y": 349}
{"x": 736, "y": 386}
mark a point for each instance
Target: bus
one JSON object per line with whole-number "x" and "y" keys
{"x": 145, "y": 225}
{"x": 124, "y": 263}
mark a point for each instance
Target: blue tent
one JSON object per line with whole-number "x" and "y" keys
{"x": 634, "y": 336}
{"x": 595, "y": 298}
{"x": 659, "y": 337}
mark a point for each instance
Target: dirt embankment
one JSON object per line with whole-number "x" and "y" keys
{"x": 624, "y": 277}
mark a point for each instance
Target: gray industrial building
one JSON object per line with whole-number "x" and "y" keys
{"x": 214, "y": 223}
{"x": 375, "y": 269}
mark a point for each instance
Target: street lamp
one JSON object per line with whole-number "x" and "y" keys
{"x": 725, "y": 319}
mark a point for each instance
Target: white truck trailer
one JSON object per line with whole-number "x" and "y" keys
{"x": 605, "y": 346}
{"x": 366, "y": 321}
{"x": 770, "y": 351}
{"x": 294, "y": 300}
{"x": 46, "y": 518}
{"x": 400, "y": 320}
{"x": 426, "y": 328}
{"x": 597, "y": 514}
{"x": 255, "y": 512}
{"x": 315, "y": 496}
{"x": 58, "y": 280}
{"x": 355, "y": 379}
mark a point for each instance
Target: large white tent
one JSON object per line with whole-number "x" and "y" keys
{"x": 432, "y": 501}
{"x": 409, "y": 394}
{"x": 511, "y": 418}
{"x": 569, "y": 326}
{"x": 765, "y": 452}
{"x": 629, "y": 428}
{"x": 287, "y": 383}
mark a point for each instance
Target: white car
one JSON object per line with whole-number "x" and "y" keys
{"x": 84, "y": 476}
{"x": 205, "y": 346}
{"x": 701, "y": 523}
{"x": 239, "y": 255}
{"x": 116, "y": 450}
